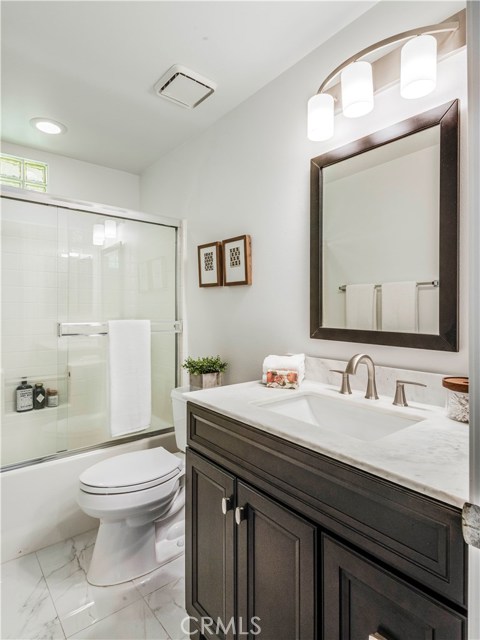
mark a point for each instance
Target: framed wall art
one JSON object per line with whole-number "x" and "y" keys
{"x": 210, "y": 273}
{"x": 237, "y": 260}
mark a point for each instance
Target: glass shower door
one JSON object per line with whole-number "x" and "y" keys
{"x": 114, "y": 269}
{"x": 65, "y": 273}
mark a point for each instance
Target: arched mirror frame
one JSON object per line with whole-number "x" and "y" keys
{"x": 447, "y": 339}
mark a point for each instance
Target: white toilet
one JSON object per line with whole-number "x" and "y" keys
{"x": 139, "y": 498}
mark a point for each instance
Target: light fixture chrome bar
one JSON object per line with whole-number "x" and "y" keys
{"x": 400, "y": 37}
{"x": 66, "y": 329}
{"x": 429, "y": 283}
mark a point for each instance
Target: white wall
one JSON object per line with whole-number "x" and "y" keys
{"x": 79, "y": 180}
{"x": 250, "y": 174}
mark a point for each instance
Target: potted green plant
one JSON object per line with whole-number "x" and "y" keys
{"x": 205, "y": 372}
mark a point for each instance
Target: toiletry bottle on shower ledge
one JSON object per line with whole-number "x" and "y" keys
{"x": 52, "y": 398}
{"x": 24, "y": 397}
{"x": 39, "y": 396}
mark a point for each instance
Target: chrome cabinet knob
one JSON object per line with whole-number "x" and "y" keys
{"x": 239, "y": 514}
{"x": 227, "y": 505}
{"x": 400, "y": 399}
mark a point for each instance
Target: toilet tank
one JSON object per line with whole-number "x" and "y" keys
{"x": 179, "y": 406}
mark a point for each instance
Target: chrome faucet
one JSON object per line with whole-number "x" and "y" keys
{"x": 351, "y": 369}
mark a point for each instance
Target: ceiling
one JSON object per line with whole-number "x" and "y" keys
{"x": 92, "y": 66}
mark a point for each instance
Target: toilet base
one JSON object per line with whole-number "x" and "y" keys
{"x": 170, "y": 540}
{"x": 123, "y": 552}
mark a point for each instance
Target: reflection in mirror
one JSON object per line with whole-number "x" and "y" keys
{"x": 372, "y": 238}
{"x": 384, "y": 236}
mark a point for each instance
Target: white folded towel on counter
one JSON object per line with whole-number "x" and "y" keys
{"x": 295, "y": 362}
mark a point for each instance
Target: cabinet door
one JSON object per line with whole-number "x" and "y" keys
{"x": 275, "y": 570}
{"x": 362, "y": 601}
{"x": 210, "y": 547}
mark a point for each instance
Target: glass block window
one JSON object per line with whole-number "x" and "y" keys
{"x": 23, "y": 173}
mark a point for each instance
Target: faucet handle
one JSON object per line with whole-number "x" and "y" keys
{"x": 400, "y": 399}
{"x": 345, "y": 388}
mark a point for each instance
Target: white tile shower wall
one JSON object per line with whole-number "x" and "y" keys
{"x": 29, "y": 313}
{"x": 39, "y": 502}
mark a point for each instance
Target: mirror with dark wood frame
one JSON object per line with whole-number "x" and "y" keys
{"x": 384, "y": 223}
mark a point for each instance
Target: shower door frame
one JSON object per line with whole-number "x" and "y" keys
{"x": 13, "y": 193}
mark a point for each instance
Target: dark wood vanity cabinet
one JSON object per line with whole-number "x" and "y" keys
{"x": 210, "y": 577}
{"x": 360, "y": 599}
{"x": 303, "y": 547}
{"x": 250, "y": 560}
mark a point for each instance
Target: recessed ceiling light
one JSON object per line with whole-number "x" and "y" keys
{"x": 46, "y": 125}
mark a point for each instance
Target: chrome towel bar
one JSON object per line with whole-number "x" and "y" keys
{"x": 430, "y": 283}
{"x": 65, "y": 329}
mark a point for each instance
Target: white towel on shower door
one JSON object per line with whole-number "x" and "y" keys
{"x": 360, "y": 306}
{"x": 400, "y": 307}
{"x": 129, "y": 376}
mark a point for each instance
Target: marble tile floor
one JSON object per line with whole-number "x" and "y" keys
{"x": 46, "y": 596}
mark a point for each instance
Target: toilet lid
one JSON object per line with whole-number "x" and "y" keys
{"x": 132, "y": 471}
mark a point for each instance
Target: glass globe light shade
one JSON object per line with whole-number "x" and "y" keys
{"x": 418, "y": 67}
{"x": 320, "y": 117}
{"x": 98, "y": 234}
{"x": 357, "y": 89}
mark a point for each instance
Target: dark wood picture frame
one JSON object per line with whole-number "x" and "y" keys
{"x": 245, "y": 267}
{"x": 447, "y": 340}
{"x": 210, "y": 268}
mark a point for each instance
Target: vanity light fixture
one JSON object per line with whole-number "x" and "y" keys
{"x": 418, "y": 68}
{"x": 321, "y": 116}
{"x": 110, "y": 229}
{"x": 357, "y": 89}
{"x": 47, "y": 125}
{"x": 102, "y": 232}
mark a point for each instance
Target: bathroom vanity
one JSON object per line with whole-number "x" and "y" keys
{"x": 303, "y": 540}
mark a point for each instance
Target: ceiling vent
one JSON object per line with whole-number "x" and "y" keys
{"x": 184, "y": 87}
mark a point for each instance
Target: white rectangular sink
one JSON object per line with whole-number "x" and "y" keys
{"x": 341, "y": 415}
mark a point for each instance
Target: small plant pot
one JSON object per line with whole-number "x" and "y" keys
{"x": 206, "y": 380}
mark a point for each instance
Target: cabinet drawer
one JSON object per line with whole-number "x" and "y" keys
{"x": 419, "y": 536}
{"x": 361, "y": 599}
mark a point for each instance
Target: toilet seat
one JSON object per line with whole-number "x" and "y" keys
{"x": 131, "y": 472}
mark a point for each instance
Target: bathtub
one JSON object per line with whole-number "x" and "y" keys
{"x": 39, "y": 504}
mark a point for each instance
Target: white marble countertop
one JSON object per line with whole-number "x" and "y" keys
{"x": 430, "y": 456}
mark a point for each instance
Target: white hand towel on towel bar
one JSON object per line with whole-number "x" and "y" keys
{"x": 399, "y": 307}
{"x": 360, "y": 306}
{"x": 129, "y": 376}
